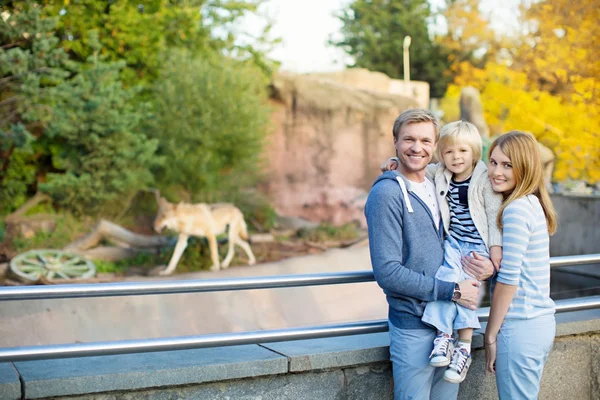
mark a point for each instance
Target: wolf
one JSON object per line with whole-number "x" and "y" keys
{"x": 203, "y": 220}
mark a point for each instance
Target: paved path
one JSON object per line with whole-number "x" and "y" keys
{"x": 100, "y": 319}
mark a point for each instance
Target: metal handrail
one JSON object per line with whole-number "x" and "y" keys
{"x": 216, "y": 285}
{"x": 29, "y": 353}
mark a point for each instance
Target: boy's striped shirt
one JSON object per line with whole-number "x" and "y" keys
{"x": 462, "y": 226}
{"x": 526, "y": 258}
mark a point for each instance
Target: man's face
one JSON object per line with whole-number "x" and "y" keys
{"x": 415, "y": 146}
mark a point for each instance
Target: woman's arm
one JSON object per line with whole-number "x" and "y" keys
{"x": 515, "y": 236}
{"x": 503, "y": 296}
{"x": 501, "y": 300}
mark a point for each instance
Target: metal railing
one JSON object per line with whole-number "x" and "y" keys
{"x": 217, "y": 285}
{"x": 215, "y": 340}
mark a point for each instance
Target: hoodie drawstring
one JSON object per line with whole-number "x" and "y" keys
{"x": 405, "y": 194}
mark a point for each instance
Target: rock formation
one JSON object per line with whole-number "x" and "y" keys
{"x": 328, "y": 141}
{"x": 471, "y": 110}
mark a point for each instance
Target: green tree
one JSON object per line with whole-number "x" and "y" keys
{"x": 31, "y": 64}
{"x": 101, "y": 157}
{"x": 140, "y": 32}
{"x": 373, "y": 32}
{"x": 211, "y": 117}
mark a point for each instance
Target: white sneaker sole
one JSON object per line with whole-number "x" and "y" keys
{"x": 439, "y": 364}
{"x": 462, "y": 376}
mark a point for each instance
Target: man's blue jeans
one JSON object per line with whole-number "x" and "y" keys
{"x": 414, "y": 378}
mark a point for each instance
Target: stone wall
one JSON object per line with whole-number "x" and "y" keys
{"x": 327, "y": 144}
{"x": 353, "y": 367}
{"x": 578, "y": 225}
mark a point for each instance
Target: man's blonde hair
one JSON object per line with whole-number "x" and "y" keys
{"x": 415, "y": 116}
{"x": 458, "y": 133}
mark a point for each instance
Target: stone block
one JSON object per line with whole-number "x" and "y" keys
{"x": 10, "y": 387}
{"x": 314, "y": 354}
{"x": 577, "y": 322}
{"x": 325, "y": 385}
{"x": 73, "y": 376}
{"x": 373, "y": 382}
{"x": 567, "y": 374}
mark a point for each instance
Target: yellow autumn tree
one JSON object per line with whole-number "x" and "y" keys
{"x": 548, "y": 87}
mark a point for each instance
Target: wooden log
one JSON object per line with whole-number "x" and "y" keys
{"x": 110, "y": 231}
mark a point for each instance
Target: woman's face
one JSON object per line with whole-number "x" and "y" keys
{"x": 501, "y": 172}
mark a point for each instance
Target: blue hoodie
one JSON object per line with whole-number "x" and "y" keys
{"x": 406, "y": 250}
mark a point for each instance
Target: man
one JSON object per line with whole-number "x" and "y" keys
{"x": 406, "y": 245}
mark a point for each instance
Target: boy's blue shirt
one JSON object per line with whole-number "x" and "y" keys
{"x": 406, "y": 251}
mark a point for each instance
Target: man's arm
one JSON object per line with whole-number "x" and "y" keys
{"x": 384, "y": 211}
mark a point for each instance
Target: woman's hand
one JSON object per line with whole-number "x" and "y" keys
{"x": 490, "y": 344}
{"x": 477, "y": 266}
{"x": 389, "y": 165}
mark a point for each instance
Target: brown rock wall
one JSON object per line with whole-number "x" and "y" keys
{"x": 327, "y": 144}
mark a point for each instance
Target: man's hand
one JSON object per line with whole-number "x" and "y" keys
{"x": 469, "y": 293}
{"x": 389, "y": 165}
{"x": 478, "y": 266}
{"x": 496, "y": 256}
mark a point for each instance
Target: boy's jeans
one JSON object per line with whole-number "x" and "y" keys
{"x": 447, "y": 316}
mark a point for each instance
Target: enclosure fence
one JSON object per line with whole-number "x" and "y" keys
{"x": 23, "y": 293}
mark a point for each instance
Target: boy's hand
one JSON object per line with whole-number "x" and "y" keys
{"x": 389, "y": 165}
{"x": 496, "y": 256}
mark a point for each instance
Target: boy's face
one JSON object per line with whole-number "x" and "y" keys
{"x": 458, "y": 158}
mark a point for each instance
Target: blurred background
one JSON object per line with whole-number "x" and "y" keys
{"x": 283, "y": 108}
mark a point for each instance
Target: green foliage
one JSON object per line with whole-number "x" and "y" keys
{"x": 31, "y": 65}
{"x": 210, "y": 117}
{"x": 94, "y": 141}
{"x": 140, "y": 32}
{"x": 373, "y": 33}
{"x": 258, "y": 212}
{"x": 68, "y": 228}
{"x": 327, "y": 232}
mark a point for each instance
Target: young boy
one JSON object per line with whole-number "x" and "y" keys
{"x": 469, "y": 209}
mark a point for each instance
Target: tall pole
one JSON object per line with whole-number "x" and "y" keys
{"x": 406, "y": 59}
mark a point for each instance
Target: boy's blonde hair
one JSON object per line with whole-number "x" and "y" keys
{"x": 522, "y": 150}
{"x": 460, "y": 132}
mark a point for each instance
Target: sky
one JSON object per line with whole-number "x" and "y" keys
{"x": 305, "y": 26}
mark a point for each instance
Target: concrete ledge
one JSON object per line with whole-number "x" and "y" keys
{"x": 351, "y": 367}
{"x": 314, "y": 354}
{"x": 577, "y": 322}
{"x": 62, "y": 377}
{"x": 10, "y": 387}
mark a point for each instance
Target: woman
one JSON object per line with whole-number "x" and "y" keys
{"x": 521, "y": 325}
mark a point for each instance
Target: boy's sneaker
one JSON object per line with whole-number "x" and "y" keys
{"x": 443, "y": 347}
{"x": 461, "y": 361}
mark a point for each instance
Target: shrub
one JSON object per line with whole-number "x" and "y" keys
{"x": 210, "y": 118}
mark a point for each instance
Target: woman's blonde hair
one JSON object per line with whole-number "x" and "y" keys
{"x": 524, "y": 154}
{"x": 460, "y": 132}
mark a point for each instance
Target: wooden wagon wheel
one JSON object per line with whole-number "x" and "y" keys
{"x": 51, "y": 264}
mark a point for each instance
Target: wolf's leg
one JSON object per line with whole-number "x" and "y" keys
{"x": 179, "y": 248}
{"x": 231, "y": 242}
{"x": 246, "y": 247}
{"x": 214, "y": 252}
